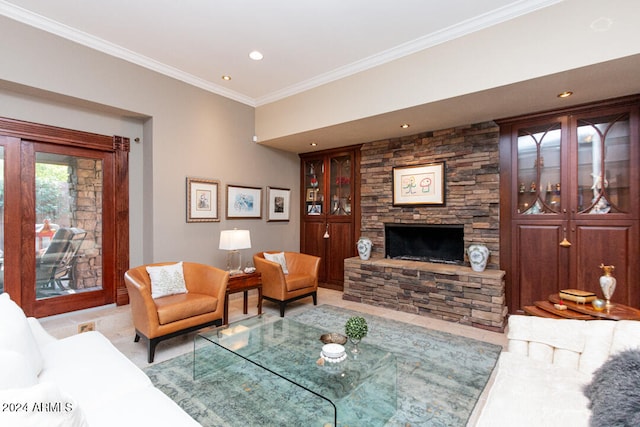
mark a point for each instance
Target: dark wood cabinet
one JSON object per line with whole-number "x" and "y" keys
{"x": 570, "y": 201}
{"x": 330, "y": 210}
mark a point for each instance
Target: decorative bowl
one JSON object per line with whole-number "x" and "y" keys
{"x": 333, "y": 351}
{"x": 333, "y": 338}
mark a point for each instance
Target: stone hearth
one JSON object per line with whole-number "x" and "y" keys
{"x": 448, "y": 292}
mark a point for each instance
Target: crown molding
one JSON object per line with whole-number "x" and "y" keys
{"x": 469, "y": 26}
{"x": 461, "y": 29}
{"x": 43, "y": 23}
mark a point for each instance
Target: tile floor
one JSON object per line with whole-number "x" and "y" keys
{"x": 115, "y": 323}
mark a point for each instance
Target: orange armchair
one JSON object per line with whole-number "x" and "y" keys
{"x": 169, "y": 316}
{"x": 301, "y": 282}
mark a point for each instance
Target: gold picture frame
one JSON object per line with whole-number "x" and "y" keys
{"x": 203, "y": 200}
{"x": 419, "y": 185}
{"x": 313, "y": 194}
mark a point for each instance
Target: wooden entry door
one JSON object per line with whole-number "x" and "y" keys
{"x": 60, "y": 249}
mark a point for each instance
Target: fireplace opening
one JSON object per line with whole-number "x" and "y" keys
{"x": 428, "y": 243}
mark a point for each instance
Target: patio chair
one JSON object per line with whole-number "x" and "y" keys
{"x": 58, "y": 261}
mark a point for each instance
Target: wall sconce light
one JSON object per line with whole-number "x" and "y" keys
{"x": 233, "y": 241}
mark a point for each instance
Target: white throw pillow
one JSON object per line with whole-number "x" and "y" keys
{"x": 15, "y": 333}
{"x": 43, "y": 404}
{"x": 15, "y": 371}
{"x": 279, "y": 258}
{"x": 167, "y": 280}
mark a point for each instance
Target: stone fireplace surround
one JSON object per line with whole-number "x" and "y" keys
{"x": 472, "y": 196}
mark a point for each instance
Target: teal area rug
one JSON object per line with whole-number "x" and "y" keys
{"x": 440, "y": 377}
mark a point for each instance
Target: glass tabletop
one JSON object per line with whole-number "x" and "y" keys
{"x": 361, "y": 389}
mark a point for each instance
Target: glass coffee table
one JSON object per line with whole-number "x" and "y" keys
{"x": 360, "y": 390}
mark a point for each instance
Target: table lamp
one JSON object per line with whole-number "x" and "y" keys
{"x": 233, "y": 241}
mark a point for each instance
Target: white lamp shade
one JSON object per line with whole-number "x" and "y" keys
{"x": 232, "y": 240}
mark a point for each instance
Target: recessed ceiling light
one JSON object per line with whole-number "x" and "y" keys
{"x": 313, "y": 144}
{"x": 255, "y": 55}
{"x": 565, "y": 94}
{"x": 602, "y": 24}
{"x": 227, "y": 78}
{"x": 404, "y": 125}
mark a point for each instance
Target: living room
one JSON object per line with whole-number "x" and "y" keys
{"x": 214, "y": 135}
{"x": 178, "y": 129}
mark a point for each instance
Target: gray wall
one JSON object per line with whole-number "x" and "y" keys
{"x": 184, "y": 131}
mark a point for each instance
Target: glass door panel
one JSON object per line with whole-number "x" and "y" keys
{"x": 314, "y": 186}
{"x": 340, "y": 182}
{"x": 539, "y": 169}
{"x": 68, "y": 228}
{"x": 603, "y": 164}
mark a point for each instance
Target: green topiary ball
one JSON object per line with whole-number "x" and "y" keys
{"x": 356, "y": 328}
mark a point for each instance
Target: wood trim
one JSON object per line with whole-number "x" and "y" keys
{"x": 12, "y": 214}
{"x": 331, "y": 151}
{"x": 577, "y": 109}
{"x": 55, "y": 135}
{"x": 27, "y": 234}
{"x": 121, "y": 146}
{"x": 507, "y": 255}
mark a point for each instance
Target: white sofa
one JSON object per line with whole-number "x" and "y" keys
{"x": 82, "y": 380}
{"x": 541, "y": 376}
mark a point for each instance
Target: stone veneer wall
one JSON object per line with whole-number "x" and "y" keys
{"x": 472, "y": 188}
{"x": 472, "y": 197}
{"x": 86, "y": 213}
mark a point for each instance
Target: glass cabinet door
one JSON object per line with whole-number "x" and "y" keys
{"x": 340, "y": 184}
{"x": 314, "y": 186}
{"x": 539, "y": 169}
{"x": 603, "y": 164}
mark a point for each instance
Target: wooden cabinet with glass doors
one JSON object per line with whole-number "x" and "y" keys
{"x": 330, "y": 210}
{"x": 570, "y": 202}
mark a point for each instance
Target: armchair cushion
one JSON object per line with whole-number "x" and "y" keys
{"x": 297, "y": 281}
{"x": 279, "y": 258}
{"x": 167, "y": 280}
{"x": 183, "y": 306}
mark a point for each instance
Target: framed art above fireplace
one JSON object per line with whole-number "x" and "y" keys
{"x": 419, "y": 185}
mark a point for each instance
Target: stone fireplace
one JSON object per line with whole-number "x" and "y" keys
{"x": 446, "y": 290}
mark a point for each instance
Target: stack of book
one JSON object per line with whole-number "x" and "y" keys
{"x": 577, "y": 295}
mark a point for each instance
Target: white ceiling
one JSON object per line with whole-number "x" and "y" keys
{"x": 305, "y": 43}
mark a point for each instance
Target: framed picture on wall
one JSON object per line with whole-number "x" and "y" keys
{"x": 419, "y": 185}
{"x": 244, "y": 202}
{"x": 202, "y": 200}
{"x": 278, "y": 204}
